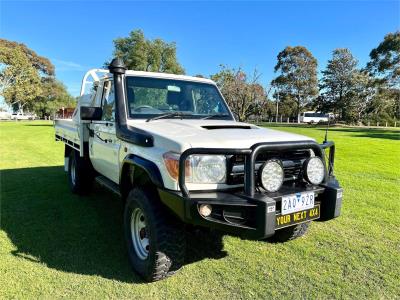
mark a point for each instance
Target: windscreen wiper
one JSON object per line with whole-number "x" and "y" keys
{"x": 214, "y": 116}
{"x": 169, "y": 115}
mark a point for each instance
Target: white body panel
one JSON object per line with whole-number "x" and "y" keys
{"x": 67, "y": 129}
{"x": 179, "y": 135}
{"x": 105, "y": 155}
{"x": 313, "y": 117}
{"x": 20, "y": 116}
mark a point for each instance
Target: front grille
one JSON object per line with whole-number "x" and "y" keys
{"x": 292, "y": 162}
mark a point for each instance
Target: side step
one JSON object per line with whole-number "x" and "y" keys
{"x": 111, "y": 185}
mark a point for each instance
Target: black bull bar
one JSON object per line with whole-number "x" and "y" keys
{"x": 250, "y": 158}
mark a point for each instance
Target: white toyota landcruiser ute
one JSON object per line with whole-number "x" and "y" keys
{"x": 171, "y": 148}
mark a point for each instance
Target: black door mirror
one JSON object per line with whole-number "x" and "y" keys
{"x": 91, "y": 113}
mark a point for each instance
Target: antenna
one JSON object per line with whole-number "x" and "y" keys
{"x": 326, "y": 129}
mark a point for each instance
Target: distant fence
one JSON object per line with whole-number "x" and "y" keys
{"x": 293, "y": 122}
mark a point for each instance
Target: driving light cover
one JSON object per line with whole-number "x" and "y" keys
{"x": 315, "y": 170}
{"x": 271, "y": 175}
{"x": 207, "y": 169}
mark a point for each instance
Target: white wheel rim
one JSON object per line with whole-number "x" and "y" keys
{"x": 139, "y": 234}
{"x": 73, "y": 174}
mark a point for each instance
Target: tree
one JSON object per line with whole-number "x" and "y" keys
{"x": 298, "y": 76}
{"x": 385, "y": 66}
{"x": 244, "y": 95}
{"x": 287, "y": 105}
{"x": 385, "y": 60}
{"x": 384, "y": 105}
{"x": 27, "y": 80}
{"x": 38, "y": 62}
{"x": 19, "y": 80}
{"x": 360, "y": 97}
{"x": 142, "y": 54}
{"x": 337, "y": 83}
{"x": 54, "y": 96}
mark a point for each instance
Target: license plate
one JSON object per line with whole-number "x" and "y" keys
{"x": 297, "y": 202}
{"x": 297, "y": 217}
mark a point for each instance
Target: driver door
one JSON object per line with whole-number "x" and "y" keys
{"x": 105, "y": 145}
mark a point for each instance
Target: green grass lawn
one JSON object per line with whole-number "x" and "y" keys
{"x": 55, "y": 244}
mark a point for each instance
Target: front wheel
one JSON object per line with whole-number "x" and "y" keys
{"x": 155, "y": 239}
{"x": 290, "y": 233}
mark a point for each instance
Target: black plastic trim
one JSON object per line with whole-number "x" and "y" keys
{"x": 263, "y": 208}
{"x": 331, "y": 146}
{"x": 89, "y": 113}
{"x": 148, "y": 166}
{"x": 259, "y": 226}
{"x": 123, "y": 130}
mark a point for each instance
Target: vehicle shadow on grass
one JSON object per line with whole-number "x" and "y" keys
{"x": 83, "y": 235}
{"x": 377, "y": 133}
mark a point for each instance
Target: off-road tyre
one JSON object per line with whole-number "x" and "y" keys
{"x": 290, "y": 233}
{"x": 166, "y": 234}
{"x": 80, "y": 174}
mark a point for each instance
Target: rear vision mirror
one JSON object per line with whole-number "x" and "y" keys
{"x": 89, "y": 113}
{"x": 173, "y": 88}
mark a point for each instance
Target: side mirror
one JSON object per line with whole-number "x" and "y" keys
{"x": 89, "y": 113}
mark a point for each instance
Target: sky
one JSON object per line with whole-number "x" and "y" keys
{"x": 77, "y": 35}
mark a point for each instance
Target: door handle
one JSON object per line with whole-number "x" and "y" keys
{"x": 98, "y": 135}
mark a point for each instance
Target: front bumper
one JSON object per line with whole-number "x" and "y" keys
{"x": 245, "y": 212}
{"x": 252, "y": 218}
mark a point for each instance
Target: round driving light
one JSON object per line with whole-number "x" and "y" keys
{"x": 205, "y": 210}
{"x": 271, "y": 175}
{"x": 315, "y": 170}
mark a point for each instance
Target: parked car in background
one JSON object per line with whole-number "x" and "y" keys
{"x": 5, "y": 115}
{"x": 21, "y": 116}
{"x": 312, "y": 117}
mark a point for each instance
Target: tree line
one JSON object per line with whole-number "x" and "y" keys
{"x": 28, "y": 83}
{"x": 351, "y": 93}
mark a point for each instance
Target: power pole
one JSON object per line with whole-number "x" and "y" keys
{"x": 277, "y": 108}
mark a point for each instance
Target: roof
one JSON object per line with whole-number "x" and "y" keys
{"x": 168, "y": 76}
{"x": 154, "y": 75}
{"x": 98, "y": 74}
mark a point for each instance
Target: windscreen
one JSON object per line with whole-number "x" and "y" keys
{"x": 150, "y": 97}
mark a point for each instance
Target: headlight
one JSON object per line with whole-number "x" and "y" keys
{"x": 207, "y": 169}
{"x": 315, "y": 170}
{"x": 198, "y": 168}
{"x": 271, "y": 175}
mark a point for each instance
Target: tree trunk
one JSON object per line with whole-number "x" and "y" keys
{"x": 298, "y": 110}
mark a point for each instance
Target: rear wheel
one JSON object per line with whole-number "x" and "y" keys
{"x": 80, "y": 174}
{"x": 290, "y": 233}
{"x": 155, "y": 239}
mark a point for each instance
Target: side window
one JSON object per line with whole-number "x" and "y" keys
{"x": 108, "y": 102}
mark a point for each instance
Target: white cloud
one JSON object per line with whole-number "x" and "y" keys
{"x": 64, "y": 65}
